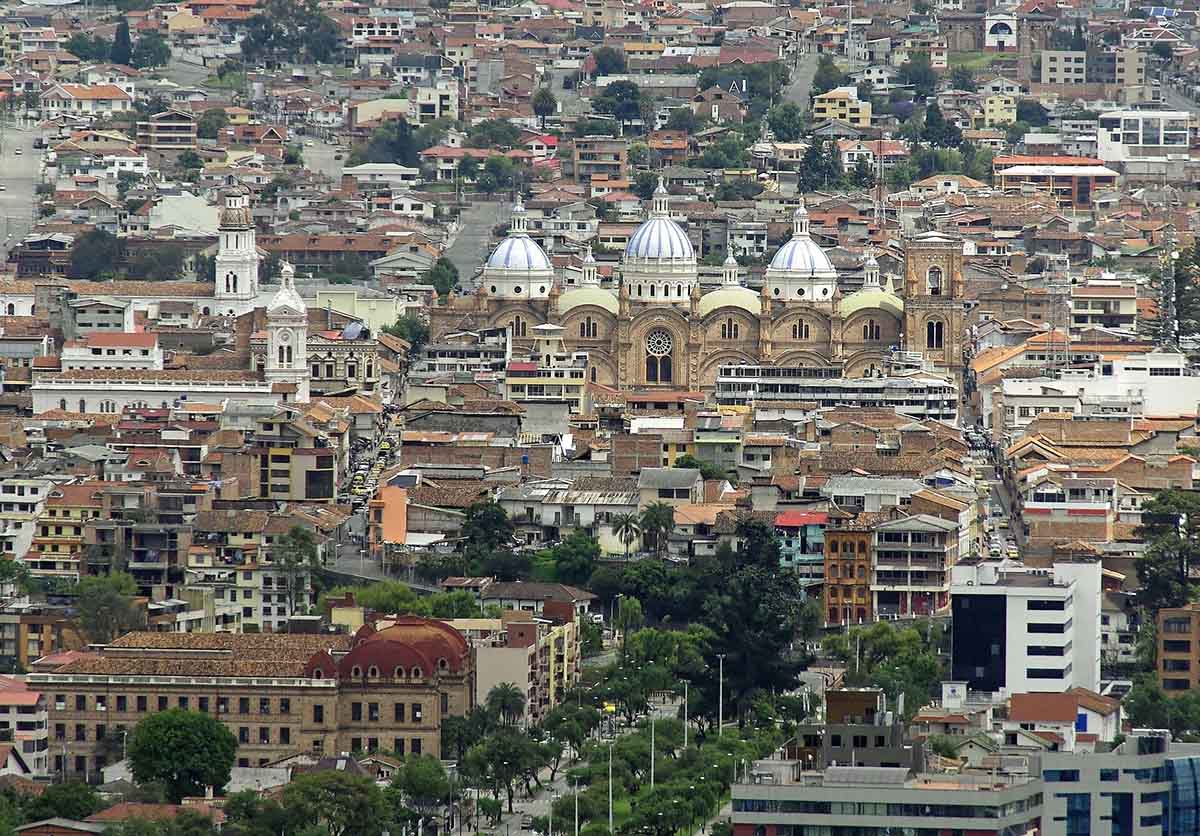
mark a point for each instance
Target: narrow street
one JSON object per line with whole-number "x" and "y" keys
{"x": 470, "y": 247}
{"x": 800, "y": 86}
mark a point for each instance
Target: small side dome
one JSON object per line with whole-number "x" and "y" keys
{"x": 730, "y": 297}
{"x": 597, "y": 296}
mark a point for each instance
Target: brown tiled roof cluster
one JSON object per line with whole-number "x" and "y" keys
{"x": 447, "y": 495}
{"x": 231, "y": 521}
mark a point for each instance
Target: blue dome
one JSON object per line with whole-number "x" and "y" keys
{"x": 803, "y": 256}
{"x": 519, "y": 252}
{"x": 659, "y": 238}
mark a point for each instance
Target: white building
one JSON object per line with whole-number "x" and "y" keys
{"x": 82, "y": 100}
{"x": 1019, "y": 630}
{"x": 139, "y": 350}
{"x": 1154, "y": 135}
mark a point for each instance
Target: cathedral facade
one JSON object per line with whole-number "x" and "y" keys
{"x": 658, "y": 330}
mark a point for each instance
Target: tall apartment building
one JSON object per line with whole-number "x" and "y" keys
{"x": 600, "y": 155}
{"x": 843, "y": 105}
{"x": 385, "y": 689}
{"x": 1123, "y": 67}
{"x": 1179, "y": 648}
{"x": 1142, "y": 135}
{"x": 1017, "y": 629}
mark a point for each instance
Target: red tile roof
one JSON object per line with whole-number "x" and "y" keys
{"x": 1046, "y": 708}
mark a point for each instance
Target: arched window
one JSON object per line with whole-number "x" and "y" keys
{"x": 62, "y": 404}
{"x": 659, "y": 345}
{"x": 281, "y": 355}
{"x": 934, "y": 281}
{"x": 289, "y": 356}
{"x": 373, "y": 672}
{"x": 587, "y": 329}
{"x": 317, "y": 674}
{"x": 399, "y": 674}
{"x": 934, "y": 333}
{"x": 871, "y": 331}
{"x": 593, "y": 374}
{"x": 653, "y": 290}
{"x": 729, "y": 329}
{"x": 12, "y": 309}
{"x": 82, "y": 405}
{"x": 799, "y": 330}
{"x": 518, "y": 326}
{"x": 679, "y": 290}
{"x": 416, "y": 673}
{"x": 356, "y": 671}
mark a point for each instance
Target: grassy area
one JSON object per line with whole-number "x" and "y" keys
{"x": 974, "y": 60}
{"x": 229, "y": 81}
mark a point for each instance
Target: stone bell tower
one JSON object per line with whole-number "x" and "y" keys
{"x": 934, "y": 315}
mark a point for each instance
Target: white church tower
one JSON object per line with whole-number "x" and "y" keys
{"x": 237, "y": 255}
{"x": 287, "y": 337}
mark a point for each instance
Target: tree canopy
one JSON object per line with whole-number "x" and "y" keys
{"x": 185, "y": 751}
{"x": 106, "y": 607}
{"x": 95, "y": 253}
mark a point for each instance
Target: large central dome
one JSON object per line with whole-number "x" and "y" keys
{"x": 518, "y": 268}
{"x": 660, "y": 262}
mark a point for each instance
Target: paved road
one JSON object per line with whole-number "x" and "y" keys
{"x": 186, "y": 73}
{"x": 320, "y": 157}
{"x": 802, "y": 78}
{"x": 474, "y": 239}
{"x": 20, "y": 176}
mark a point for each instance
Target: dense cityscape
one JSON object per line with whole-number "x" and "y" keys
{"x": 632, "y": 417}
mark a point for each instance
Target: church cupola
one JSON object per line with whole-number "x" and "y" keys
{"x": 660, "y": 206}
{"x": 520, "y": 221}
{"x": 800, "y": 222}
{"x": 729, "y": 271}
{"x": 591, "y": 276}
{"x": 870, "y": 270}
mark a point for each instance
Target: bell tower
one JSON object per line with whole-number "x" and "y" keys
{"x": 934, "y": 316}
{"x": 287, "y": 338}
{"x": 237, "y": 255}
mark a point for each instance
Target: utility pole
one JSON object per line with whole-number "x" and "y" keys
{"x": 576, "y": 807}
{"x": 721, "y": 696}
{"x": 1169, "y": 329}
{"x": 610, "y": 810}
{"x": 685, "y": 714}
{"x": 651, "y": 747}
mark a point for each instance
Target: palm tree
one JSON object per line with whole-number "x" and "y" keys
{"x": 627, "y": 527}
{"x": 658, "y": 520}
{"x": 507, "y": 702}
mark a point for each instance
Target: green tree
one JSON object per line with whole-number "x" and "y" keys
{"x": 291, "y": 31}
{"x": 122, "y": 47}
{"x": 344, "y": 804}
{"x": 544, "y": 104}
{"x": 620, "y": 99}
{"x": 938, "y": 131}
{"x": 106, "y": 609}
{"x": 708, "y": 470}
{"x": 827, "y": 76}
{"x": 152, "y": 50}
{"x": 95, "y": 253}
{"x": 412, "y": 329}
{"x": 443, "y": 275}
{"x": 296, "y": 554}
{"x": 1171, "y": 531}
{"x": 644, "y": 184}
{"x": 211, "y": 122}
{"x": 507, "y": 702}
{"x": 609, "y": 61}
{"x": 88, "y": 47}
{"x": 683, "y": 119}
{"x": 629, "y": 617}
{"x": 423, "y": 781}
{"x": 628, "y": 527}
{"x": 468, "y": 168}
{"x": 575, "y": 557}
{"x": 962, "y": 78}
{"x": 786, "y": 121}
{"x": 1186, "y": 299}
{"x": 72, "y": 800}
{"x": 185, "y": 751}
{"x": 1031, "y": 112}
{"x": 918, "y": 72}
{"x": 486, "y": 527}
{"x": 494, "y": 134}
{"x": 658, "y": 521}
{"x": 458, "y": 604}
{"x": 156, "y": 262}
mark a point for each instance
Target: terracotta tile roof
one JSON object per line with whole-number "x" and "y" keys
{"x": 231, "y": 521}
{"x": 127, "y": 810}
{"x": 1094, "y": 702}
{"x": 447, "y": 495}
{"x": 1046, "y": 708}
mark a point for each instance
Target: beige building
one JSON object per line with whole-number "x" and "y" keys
{"x": 386, "y": 689}
{"x": 842, "y": 104}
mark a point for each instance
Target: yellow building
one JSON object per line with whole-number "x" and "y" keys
{"x": 551, "y": 375}
{"x": 58, "y": 539}
{"x": 999, "y": 110}
{"x": 843, "y": 104}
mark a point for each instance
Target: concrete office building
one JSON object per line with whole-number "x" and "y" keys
{"x": 1018, "y": 630}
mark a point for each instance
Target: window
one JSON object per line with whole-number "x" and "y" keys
{"x": 416, "y": 712}
{"x": 285, "y": 735}
{"x": 800, "y": 331}
{"x": 243, "y": 734}
{"x": 122, "y": 704}
{"x": 730, "y": 330}
{"x": 264, "y": 705}
{"x": 285, "y": 706}
{"x": 416, "y": 745}
{"x": 264, "y": 734}
{"x": 162, "y": 703}
{"x": 1051, "y": 776}
{"x": 80, "y": 702}
{"x": 588, "y": 329}
{"x": 934, "y": 334}
{"x": 318, "y": 714}
{"x": 934, "y": 281}
{"x": 356, "y": 712}
{"x": 373, "y": 712}
{"x": 399, "y": 717}
{"x": 518, "y": 326}
{"x": 398, "y": 746}
{"x": 243, "y": 705}
{"x": 141, "y": 703}
{"x": 871, "y": 331}
{"x": 659, "y": 345}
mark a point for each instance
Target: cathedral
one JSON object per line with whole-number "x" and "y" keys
{"x": 657, "y": 329}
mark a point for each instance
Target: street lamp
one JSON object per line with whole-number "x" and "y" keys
{"x": 721, "y": 696}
